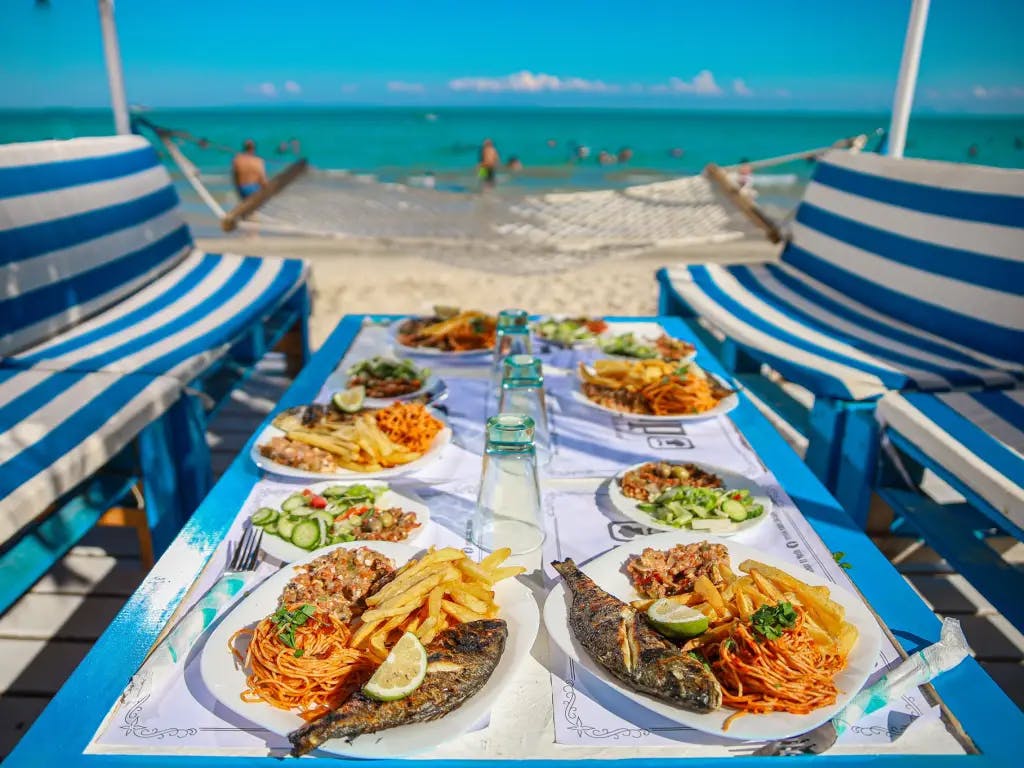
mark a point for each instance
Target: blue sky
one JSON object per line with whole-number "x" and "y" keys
{"x": 778, "y": 54}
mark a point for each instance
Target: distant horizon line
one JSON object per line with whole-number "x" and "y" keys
{"x": 428, "y": 108}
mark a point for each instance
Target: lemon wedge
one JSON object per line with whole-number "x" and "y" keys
{"x": 350, "y": 400}
{"x": 673, "y": 619}
{"x": 401, "y": 673}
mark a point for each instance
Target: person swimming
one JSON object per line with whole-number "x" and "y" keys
{"x": 248, "y": 171}
{"x": 487, "y": 167}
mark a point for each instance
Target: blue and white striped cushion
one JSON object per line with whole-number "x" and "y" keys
{"x": 179, "y": 324}
{"x": 57, "y": 429}
{"x": 935, "y": 245}
{"x": 975, "y": 440}
{"x": 821, "y": 338}
{"x": 83, "y": 223}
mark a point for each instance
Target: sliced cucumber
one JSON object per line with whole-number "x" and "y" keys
{"x": 306, "y": 534}
{"x": 271, "y": 528}
{"x": 294, "y": 501}
{"x": 323, "y": 514}
{"x": 681, "y": 519}
{"x": 264, "y": 516}
{"x": 699, "y": 511}
{"x": 303, "y": 511}
{"x": 285, "y": 526}
{"x": 735, "y": 510}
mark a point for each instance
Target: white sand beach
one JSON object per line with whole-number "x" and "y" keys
{"x": 387, "y": 277}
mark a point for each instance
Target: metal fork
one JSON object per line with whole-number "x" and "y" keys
{"x": 170, "y": 652}
{"x": 814, "y": 742}
{"x": 245, "y": 555}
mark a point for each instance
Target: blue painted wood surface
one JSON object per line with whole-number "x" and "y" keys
{"x": 68, "y": 723}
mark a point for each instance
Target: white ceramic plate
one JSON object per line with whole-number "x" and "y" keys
{"x": 423, "y": 536}
{"x": 733, "y": 482}
{"x": 430, "y": 351}
{"x": 440, "y": 441}
{"x": 723, "y": 407}
{"x": 226, "y": 681}
{"x": 607, "y": 572}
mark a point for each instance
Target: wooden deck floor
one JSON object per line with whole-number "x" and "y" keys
{"x": 46, "y": 634}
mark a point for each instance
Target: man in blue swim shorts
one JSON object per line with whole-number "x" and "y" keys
{"x": 248, "y": 171}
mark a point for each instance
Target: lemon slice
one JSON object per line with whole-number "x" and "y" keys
{"x": 673, "y": 619}
{"x": 350, "y": 400}
{"x": 402, "y": 671}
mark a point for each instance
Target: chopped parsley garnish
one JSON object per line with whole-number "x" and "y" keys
{"x": 286, "y": 622}
{"x": 700, "y": 657}
{"x": 769, "y": 621}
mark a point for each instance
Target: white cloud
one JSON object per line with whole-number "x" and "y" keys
{"x": 529, "y": 82}
{"x": 739, "y": 87}
{"x": 290, "y": 86}
{"x": 703, "y": 84}
{"x": 1017, "y": 91}
{"x": 782, "y": 93}
{"x": 267, "y": 89}
{"x": 980, "y": 92}
{"x": 349, "y": 87}
{"x": 400, "y": 86}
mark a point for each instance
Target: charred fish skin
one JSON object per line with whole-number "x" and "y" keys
{"x": 622, "y": 641}
{"x": 459, "y": 661}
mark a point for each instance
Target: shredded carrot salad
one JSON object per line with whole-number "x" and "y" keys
{"x": 409, "y": 424}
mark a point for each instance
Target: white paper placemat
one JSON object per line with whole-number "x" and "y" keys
{"x": 555, "y": 709}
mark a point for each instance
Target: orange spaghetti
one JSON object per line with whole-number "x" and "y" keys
{"x": 674, "y": 395}
{"x": 652, "y": 387}
{"x": 788, "y": 674}
{"x": 409, "y": 424}
{"x": 318, "y": 680}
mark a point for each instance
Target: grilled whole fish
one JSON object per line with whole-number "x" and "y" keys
{"x": 314, "y": 416}
{"x": 622, "y": 641}
{"x": 459, "y": 661}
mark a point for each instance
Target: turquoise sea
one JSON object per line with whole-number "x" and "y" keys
{"x": 405, "y": 144}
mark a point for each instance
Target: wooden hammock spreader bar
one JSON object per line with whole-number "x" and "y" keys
{"x": 276, "y": 183}
{"x": 720, "y": 178}
{"x": 852, "y": 142}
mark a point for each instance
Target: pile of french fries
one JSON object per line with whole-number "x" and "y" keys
{"x": 359, "y": 445}
{"x": 763, "y": 584}
{"x": 441, "y": 589}
{"x": 629, "y": 374}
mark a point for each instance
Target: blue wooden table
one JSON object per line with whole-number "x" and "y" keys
{"x": 62, "y": 732}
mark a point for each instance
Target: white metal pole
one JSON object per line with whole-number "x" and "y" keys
{"x": 115, "y": 75}
{"x": 904, "y": 98}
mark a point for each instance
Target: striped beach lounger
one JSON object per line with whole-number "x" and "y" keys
{"x": 111, "y": 322}
{"x": 101, "y": 272}
{"x": 57, "y": 430}
{"x": 975, "y": 442}
{"x": 900, "y": 275}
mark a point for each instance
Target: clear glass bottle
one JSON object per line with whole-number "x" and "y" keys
{"x": 522, "y": 391}
{"x": 508, "y": 510}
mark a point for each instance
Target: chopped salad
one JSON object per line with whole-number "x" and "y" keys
{"x": 312, "y": 520}
{"x": 387, "y": 377}
{"x": 664, "y": 347}
{"x": 715, "y": 510}
{"x": 567, "y": 331}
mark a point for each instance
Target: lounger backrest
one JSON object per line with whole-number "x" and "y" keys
{"x": 937, "y": 245}
{"x": 83, "y": 223}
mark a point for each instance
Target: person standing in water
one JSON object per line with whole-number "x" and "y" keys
{"x": 487, "y": 167}
{"x": 248, "y": 170}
